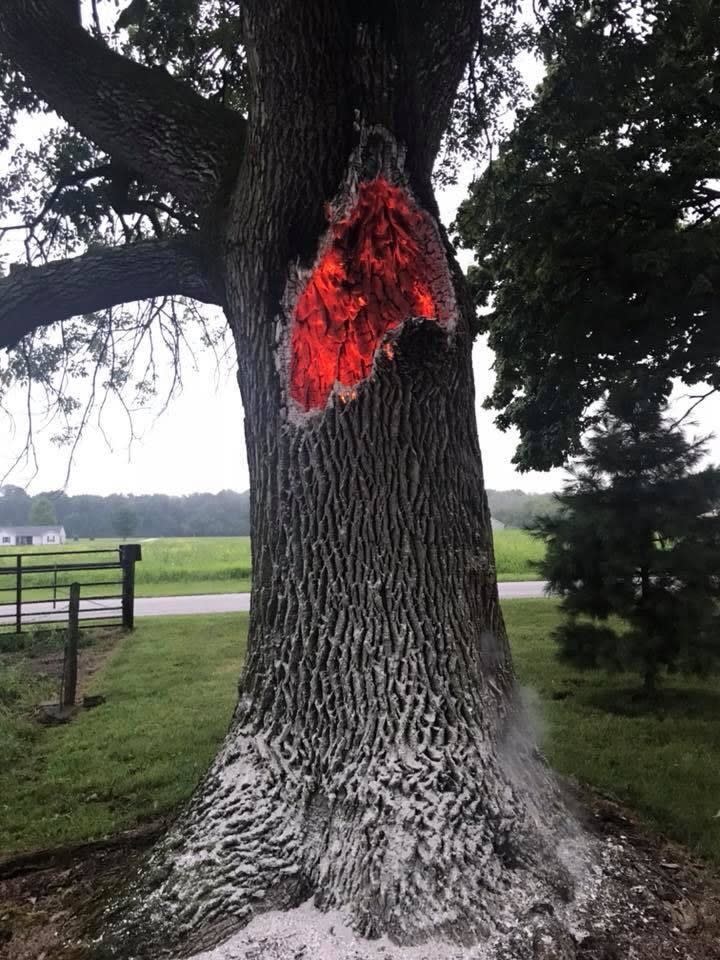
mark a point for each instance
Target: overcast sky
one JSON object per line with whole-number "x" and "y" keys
{"x": 198, "y": 443}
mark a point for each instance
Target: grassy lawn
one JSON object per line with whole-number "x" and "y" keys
{"x": 176, "y": 566}
{"x": 664, "y": 763}
{"x": 170, "y": 689}
{"x": 191, "y": 587}
{"x": 516, "y": 553}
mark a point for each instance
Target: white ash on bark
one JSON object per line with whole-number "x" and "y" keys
{"x": 377, "y": 762}
{"x": 374, "y": 762}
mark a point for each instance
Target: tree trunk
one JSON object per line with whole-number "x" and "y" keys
{"x": 651, "y": 670}
{"x": 378, "y": 759}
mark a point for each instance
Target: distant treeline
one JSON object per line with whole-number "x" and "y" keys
{"x": 514, "y": 508}
{"x": 197, "y": 515}
{"x": 148, "y": 515}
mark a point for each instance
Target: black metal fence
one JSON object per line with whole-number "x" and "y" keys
{"x": 35, "y": 587}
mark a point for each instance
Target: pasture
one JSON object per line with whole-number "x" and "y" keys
{"x": 175, "y": 566}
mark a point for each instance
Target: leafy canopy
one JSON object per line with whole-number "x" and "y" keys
{"x": 61, "y": 196}
{"x": 42, "y": 512}
{"x": 597, "y": 231}
{"x": 124, "y": 521}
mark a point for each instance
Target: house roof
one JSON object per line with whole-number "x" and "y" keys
{"x": 33, "y": 531}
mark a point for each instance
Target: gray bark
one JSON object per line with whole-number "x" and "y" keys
{"x": 371, "y": 763}
{"x": 377, "y": 760}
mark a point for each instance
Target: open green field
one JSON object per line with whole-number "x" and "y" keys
{"x": 516, "y": 555}
{"x": 170, "y": 566}
{"x": 171, "y": 686}
{"x": 175, "y": 566}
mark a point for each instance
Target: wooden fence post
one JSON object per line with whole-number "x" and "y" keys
{"x": 70, "y": 666}
{"x": 129, "y": 554}
{"x": 18, "y": 593}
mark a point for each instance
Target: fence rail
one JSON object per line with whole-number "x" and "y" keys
{"x": 22, "y": 575}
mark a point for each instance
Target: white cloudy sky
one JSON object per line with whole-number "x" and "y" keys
{"x": 198, "y": 443}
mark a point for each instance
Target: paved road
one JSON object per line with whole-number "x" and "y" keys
{"x": 232, "y": 602}
{"x": 522, "y": 589}
{"x": 212, "y": 603}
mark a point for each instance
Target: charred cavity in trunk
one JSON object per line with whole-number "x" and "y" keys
{"x": 380, "y": 265}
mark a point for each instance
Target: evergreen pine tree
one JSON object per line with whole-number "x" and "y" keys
{"x": 637, "y": 538}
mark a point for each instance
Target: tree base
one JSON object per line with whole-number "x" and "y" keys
{"x": 654, "y": 902}
{"x": 616, "y": 910}
{"x": 306, "y": 932}
{"x": 458, "y": 846}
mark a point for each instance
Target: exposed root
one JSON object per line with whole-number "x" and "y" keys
{"x": 644, "y": 898}
{"x": 234, "y": 851}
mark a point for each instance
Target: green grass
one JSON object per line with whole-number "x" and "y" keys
{"x": 193, "y": 587}
{"x": 663, "y": 762}
{"x": 184, "y": 560}
{"x": 171, "y": 687}
{"x": 170, "y": 566}
{"x": 20, "y": 692}
{"x": 175, "y": 566}
{"x": 516, "y": 554}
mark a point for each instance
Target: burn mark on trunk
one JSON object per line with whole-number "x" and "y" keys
{"x": 382, "y": 264}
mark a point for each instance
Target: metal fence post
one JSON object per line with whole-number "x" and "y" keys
{"x": 129, "y": 554}
{"x": 70, "y": 665}
{"x": 18, "y": 593}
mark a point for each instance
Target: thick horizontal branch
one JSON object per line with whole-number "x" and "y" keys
{"x": 34, "y": 297}
{"x": 142, "y": 116}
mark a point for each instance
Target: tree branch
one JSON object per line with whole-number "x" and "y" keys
{"x": 34, "y": 297}
{"x": 438, "y": 40}
{"x": 154, "y": 123}
{"x": 698, "y": 398}
{"x": 72, "y": 180}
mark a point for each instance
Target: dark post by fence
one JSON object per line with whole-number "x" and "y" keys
{"x": 130, "y": 553}
{"x": 18, "y": 594}
{"x": 70, "y": 666}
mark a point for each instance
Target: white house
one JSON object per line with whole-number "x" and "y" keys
{"x": 31, "y": 536}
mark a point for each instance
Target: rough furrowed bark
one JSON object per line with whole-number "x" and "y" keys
{"x": 379, "y": 760}
{"x": 35, "y": 297}
{"x": 373, "y": 763}
{"x": 378, "y": 763}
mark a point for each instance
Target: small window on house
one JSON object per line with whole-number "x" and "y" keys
{"x": 50, "y": 539}
{"x": 6, "y": 539}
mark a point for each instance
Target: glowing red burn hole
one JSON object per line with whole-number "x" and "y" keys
{"x": 370, "y": 279}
